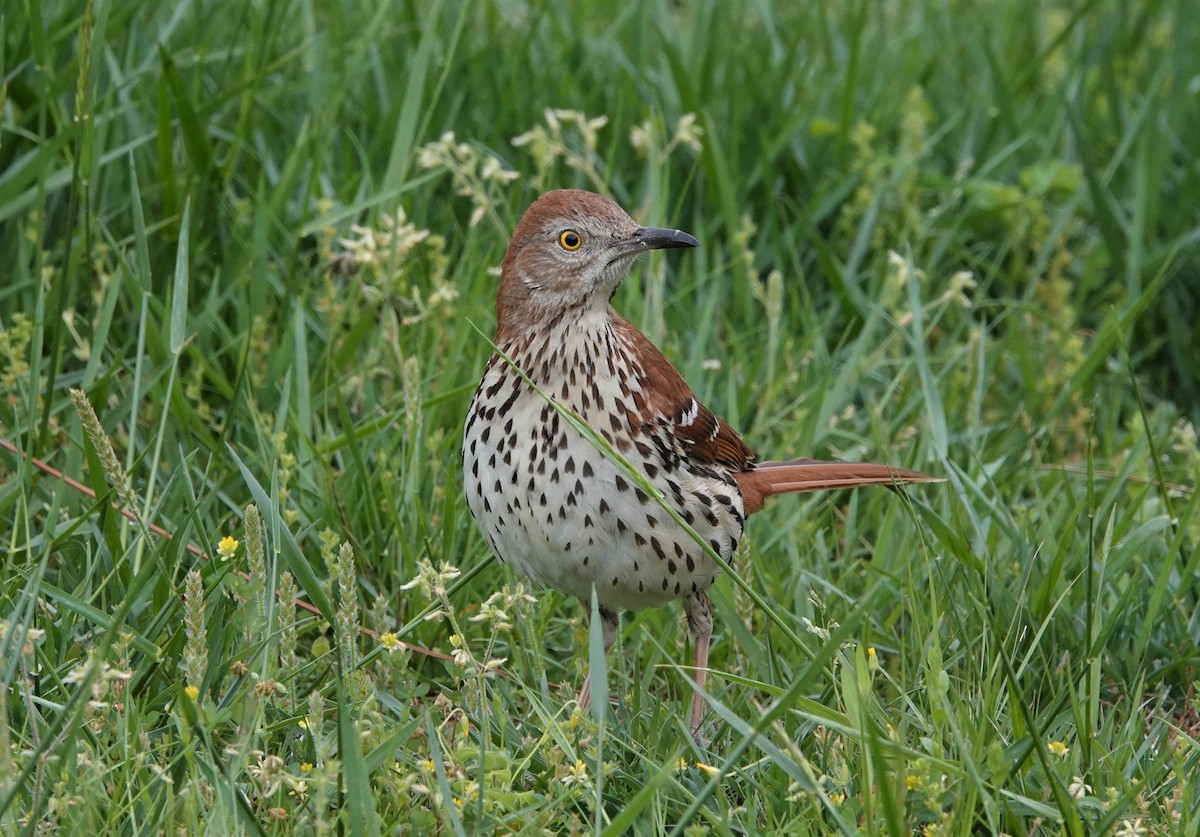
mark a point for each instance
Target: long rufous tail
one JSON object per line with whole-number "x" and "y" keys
{"x": 798, "y": 475}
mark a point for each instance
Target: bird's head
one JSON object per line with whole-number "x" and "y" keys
{"x": 570, "y": 251}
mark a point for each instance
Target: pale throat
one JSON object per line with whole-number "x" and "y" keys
{"x": 573, "y": 350}
{"x": 559, "y": 320}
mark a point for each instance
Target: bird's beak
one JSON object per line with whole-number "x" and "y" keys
{"x": 655, "y": 238}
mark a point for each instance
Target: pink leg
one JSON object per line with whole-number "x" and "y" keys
{"x": 700, "y": 675}
{"x": 699, "y": 617}
{"x": 585, "y": 692}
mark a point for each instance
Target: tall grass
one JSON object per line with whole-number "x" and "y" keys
{"x": 258, "y": 241}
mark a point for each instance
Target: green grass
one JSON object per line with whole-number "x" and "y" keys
{"x": 958, "y": 237}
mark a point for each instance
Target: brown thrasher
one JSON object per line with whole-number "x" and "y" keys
{"x": 549, "y": 502}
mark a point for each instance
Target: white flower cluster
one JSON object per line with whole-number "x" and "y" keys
{"x": 476, "y": 175}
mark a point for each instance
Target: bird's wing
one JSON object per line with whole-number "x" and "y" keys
{"x": 671, "y": 406}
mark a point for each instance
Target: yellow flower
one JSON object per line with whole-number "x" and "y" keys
{"x": 576, "y": 773}
{"x": 1058, "y": 748}
{"x": 306, "y": 766}
{"x": 302, "y": 723}
{"x": 389, "y": 641}
{"x": 837, "y": 798}
{"x": 227, "y": 548}
{"x": 709, "y": 769}
{"x": 192, "y": 692}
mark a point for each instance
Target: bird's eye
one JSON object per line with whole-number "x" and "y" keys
{"x": 570, "y": 240}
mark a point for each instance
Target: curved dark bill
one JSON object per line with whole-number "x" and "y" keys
{"x": 656, "y": 238}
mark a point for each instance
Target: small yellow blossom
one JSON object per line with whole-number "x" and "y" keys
{"x": 389, "y": 641}
{"x": 709, "y": 769}
{"x": 837, "y": 798}
{"x": 681, "y": 764}
{"x": 227, "y": 548}
{"x": 302, "y": 723}
{"x": 1059, "y": 749}
{"x": 192, "y": 692}
{"x": 306, "y": 766}
{"x": 576, "y": 773}
{"x": 460, "y": 654}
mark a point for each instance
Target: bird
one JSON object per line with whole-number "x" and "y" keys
{"x": 550, "y": 503}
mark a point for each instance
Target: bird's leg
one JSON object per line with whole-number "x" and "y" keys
{"x": 608, "y": 625}
{"x": 700, "y": 624}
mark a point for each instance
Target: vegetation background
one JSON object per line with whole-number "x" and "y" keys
{"x": 259, "y": 239}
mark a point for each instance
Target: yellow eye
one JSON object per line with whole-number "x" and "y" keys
{"x": 570, "y": 240}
